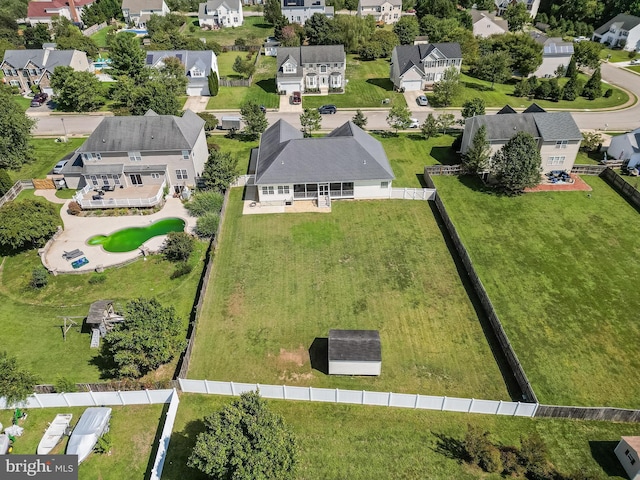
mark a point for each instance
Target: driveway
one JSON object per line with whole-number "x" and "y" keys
{"x": 287, "y": 107}
{"x": 196, "y": 104}
{"x": 412, "y": 102}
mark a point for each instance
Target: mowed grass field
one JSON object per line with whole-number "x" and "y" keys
{"x": 560, "y": 270}
{"x": 133, "y": 429}
{"x": 281, "y": 281}
{"x": 360, "y": 442}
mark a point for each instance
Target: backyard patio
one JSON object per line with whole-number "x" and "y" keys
{"x": 110, "y": 197}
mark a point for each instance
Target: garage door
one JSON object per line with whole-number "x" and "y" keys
{"x": 289, "y": 88}
{"x": 412, "y": 85}
{"x": 195, "y": 91}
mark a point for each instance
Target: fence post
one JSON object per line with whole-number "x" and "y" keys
{"x": 92, "y": 397}
{"x": 363, "y": 394}
{"x": 284, "y": 392}
{"x": 233, "y": 390}
{"x": 499, "y": 405}
{"x": 35, "y": 395}
{"x": 310, "y": 394}
{"x": 389, "y": 399}
{"x": 64, "y": 396}
{"x": 415, "y": 405}
{"x": 146, "y": 390}
{"x": 535, "y": 410}
{"x": 470, "y": 406}
{"x": 180, "y": 383}
{"x": 516, "y": 410}
{"x": 121, "y": 397}
{"x": 206, "y": 387}
{"x": 444, "y": 401}
{"x": 337, "y": 396}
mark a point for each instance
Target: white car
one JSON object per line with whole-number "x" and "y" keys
{"x": 635, "y": 62}
{"x": 422, "y": 101}
{"x": 59, "y": 166}
{"x": 415, "y": 123}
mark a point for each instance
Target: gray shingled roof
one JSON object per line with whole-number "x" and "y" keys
{"x": 410, "y": 55}
{"x": 355, "y": 345}
{"x": 151, "y": 132}
{"x": 549, "y": 126}
{"x": 378, "y": 3}
{"x": 97, "y": 311}
{"x": 477, "y": 15}
{"x": 312, "y": 54}
{"x": 214, "y": 4}
{"x": 345, "y": 155}
{"x": 189, "y": 58}
{"x": 136, "y": 6}
{"x": 46, "y": 59}
{"x": 627, "y": 22}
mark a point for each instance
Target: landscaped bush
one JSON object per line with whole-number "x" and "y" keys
{"x": 207, "y": 225}
{"x": 204, "y": 202}
{"x": 181, "y": 270}
{"x": 608, "y": 92}
{"x": 5, "y": 182}
{"x": 105, "y": 444}
{"x": 97, "y": 279}
{"x": 39, "y": 277}
{"x": 74, "y": 208}
{"x": 65, "y": 385}
{"x": 27, "y": 224}
{"x": 178, "y": 246}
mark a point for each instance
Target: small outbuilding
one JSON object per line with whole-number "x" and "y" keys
{"x": 354, "y": 352}
{"x": 101, "y": 319}
{"x": 628, "y": 451}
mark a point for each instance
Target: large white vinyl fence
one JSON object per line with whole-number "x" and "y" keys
{"x": 363, "y": 397}
{"x": 163, "y": 442}
{"x": 92, "y": 399}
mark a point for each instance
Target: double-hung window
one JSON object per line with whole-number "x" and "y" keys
{"x": 135, "y": 156}
{"x": 181, "y": 174}
{"x": 562, "y": 143}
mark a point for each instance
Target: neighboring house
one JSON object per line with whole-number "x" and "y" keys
{"x": 628, "y": 452}
{"x": 24, "y": 68}
{"x": 317, "y": 68}
{"x": 271, "y": 48}
{"x": 532, "y": 6}
{"x": 299, "y": 11}
{"x": 140, "y": 155}
{"x": 354, "y": 352}
{"x": 384, "y": 11}
{"x": 555, "y": 52}
{"x": 347, "y": 163}
{"x": 621, "y": 31}
{"x": 556, "y": 134}
{"x": 44, "y": 11}
{"x": 416, "y": 67}
{"x": 220, "y": 13}
{"x": 138, "y": 12}
{"x": 486, "y": 24}
{"x": 198, "y": 64}
{"x": 626, "y": 148}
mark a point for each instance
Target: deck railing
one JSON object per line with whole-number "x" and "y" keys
{"x": 118, "y": 202}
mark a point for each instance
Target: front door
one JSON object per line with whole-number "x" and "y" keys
{"x": 323, "y": 189}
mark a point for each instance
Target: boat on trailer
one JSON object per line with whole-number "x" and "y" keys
{"x": 93, "y": 423}
{"x": 54, "y": 433}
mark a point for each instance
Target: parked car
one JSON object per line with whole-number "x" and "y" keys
{"x": 580, "y": 39}
{"x": 36, "y": 102}
{"x": 415, "y": 123}
{"x": 59, "y": 166}
{"x": 422, "y": 101}
{"x": 635, "y": 61}
{"x": 41, "y": 96}
{"x": 296, "y": 98}
{"x": 327, "y": 109}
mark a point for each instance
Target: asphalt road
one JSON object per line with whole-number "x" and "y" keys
{"x": 618, "y": 120}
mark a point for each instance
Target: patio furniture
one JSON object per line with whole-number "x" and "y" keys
{"x": 72, "y": 254}
{"x": 80, "y": 262}
{"x": 109, "y": 188}
{"x": 96, "y": 197}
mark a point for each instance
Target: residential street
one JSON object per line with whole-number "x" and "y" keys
{"x": 620, "y": 120}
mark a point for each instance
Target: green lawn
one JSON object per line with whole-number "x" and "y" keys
{"x": 589, "y": 158}
{"x": 254, "y": 30}
{"x": 225, "y": 63}
{"x": 408, "y": 154}
{"x": 31, "y": 319}
{"x": 283, "y": 280}
{"x": 368, "y": 84}
{"x": 238, "y": 148}
{"x": 100, "y": 38}
{"x": 557, "y": 267}
{"x": 360, "y": 442}
{"x": 24, "y": 102}
{"x": 634, "y": 68}
{"x": 617, "y": 55}
{"x": 502, "y": 94}
{"x": 262, "y": 91}
{"x": 47, "y": 152}
{"x": 133, "y": 430}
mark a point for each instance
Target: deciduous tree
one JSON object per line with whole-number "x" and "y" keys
{"x": 429, "y": 127}
{"x": 220, "y": 171}
{"x": 245, "y": 440}
{"x": 254, "y": 119}
{"x": 473, "y": 107}
{"x": 178, "y": 246}
{"x": 76, "y": 91}
{"x": 587, "y": 54}
{"x": 399, "y": 117}
{"x": 446, "y": 120}
{"x": 150, "y": 336}
{"x": 15, "y": 132}
{"x": 494, "y": 67}
{"x": 27, "y": 224}
{"x": 445, "y": 90}
{"x": 359, "y": 119}
{"x": 516, "y": 16}
{"x": 210, "y": 121}
{"x": 127, "y": 57}
{"x": 407, "y": 29}
{"x": 310, "y": 121}
{"x": 517, "y": 164}
{"x": 16, "y": 383}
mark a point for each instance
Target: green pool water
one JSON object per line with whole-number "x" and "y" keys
{"x": 131, "y": 238}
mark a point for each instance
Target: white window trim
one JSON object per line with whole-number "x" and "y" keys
{"x": 135, "y": 156}
{"x": 556, "y": 160}
{"x": 562, "y": 143}
{"x": 182, "y": 174}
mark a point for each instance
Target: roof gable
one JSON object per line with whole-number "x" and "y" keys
{"x": 414, "y": 55}
{"x": 312, "y": 54}
{"x": 622, "y": 20}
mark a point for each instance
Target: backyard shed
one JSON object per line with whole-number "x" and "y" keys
{"x": 628, "y": 452}
{"x": 354, "y": 352}
{"x": 101, "y": 318}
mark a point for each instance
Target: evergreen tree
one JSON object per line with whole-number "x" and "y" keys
{"x": 407, "y": 29}
{"x": 477, "y": 157}
{"x": 429, "y": 127}
{"x": 593, "y": 87}
{"x": 517, "y": 164}
{"x": 359, "y": 119}
{"x": 572, "y": 69}
{"x": 272, "y": 11}
{"x": 212, "y": 80}
{"x": 310, "y": 120}
{"x": 254, "y": 119}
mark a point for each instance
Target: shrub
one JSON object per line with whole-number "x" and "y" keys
{"x": 178, "y": 246}
{"x": 203, "y": 202}
{"x": 65, "y": 385}
{"x": 212, "y": 145}
{"x": 39, "y": 277}
{"x": 182, "y": 269}
{"x": 97, "y": 279}
{"x": 490, "y": 460}
{"x": 631, "y": 54}
{"x": 104, "y": 444}
{"x": 608, "y": 92}
{"x": 74, "y": 208}
{"x": 5, "y": 182}
{"x": 210, "y": 121}
{"x": 28, "y": 223}
{"x": 207, "y": 225}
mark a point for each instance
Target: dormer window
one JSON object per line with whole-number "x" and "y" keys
{"x": 288, "y": 68}
{"x": 196, "y": 72}
{"x": 185, "y": 154}
{"x": 91, "y": 156}
{"x": 135, "y": 156}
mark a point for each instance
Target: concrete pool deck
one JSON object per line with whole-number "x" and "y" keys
{"x": 77, "y": 230}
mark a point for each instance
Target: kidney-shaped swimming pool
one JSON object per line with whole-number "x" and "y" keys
{"x": 131, "y": 238}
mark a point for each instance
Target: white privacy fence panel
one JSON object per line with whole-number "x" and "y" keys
{"x": 88, "y": 399}
{"x": 363, "y": 397}
{"x": 165, "y": 437}
{"x": 413, "y": 193}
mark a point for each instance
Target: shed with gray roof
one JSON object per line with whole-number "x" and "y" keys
{"x": 354, "y": 352}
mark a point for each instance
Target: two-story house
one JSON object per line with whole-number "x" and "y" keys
{"x": 416, "y": 67}
{"x": 139, "y": 154}
{"x": 556, "y": 133}
{"x": 384, "y": 11}
{"x": 299, "y": 11}
{"x": 621, "y": 31}
{"x": 44, "y": 11}
{"x": 220, "y": 13}
{"x": 486, "y": 24}
{"x": 532, "y": 6}
{"x": 317, "y": 69}
{"x": 24, "y": 68}
{"x": 198, "y": 65}
{"x": 138, "y": 12}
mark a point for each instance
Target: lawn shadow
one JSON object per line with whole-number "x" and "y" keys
{"x": 156, "y": 442}
{"x": 263, "y": 25}
{"x": 602, "y": 452}
{"x": 477, "y": 86}
{"x": 180, "y": 446}
{"x": 450, "y": 447}
{"x": 508, "y": 376}
{"x": 383, "y": 83}
{"x": 319, "y": 355}
{"x": 268, "y": 85}
{"x": 445, "y": 155}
